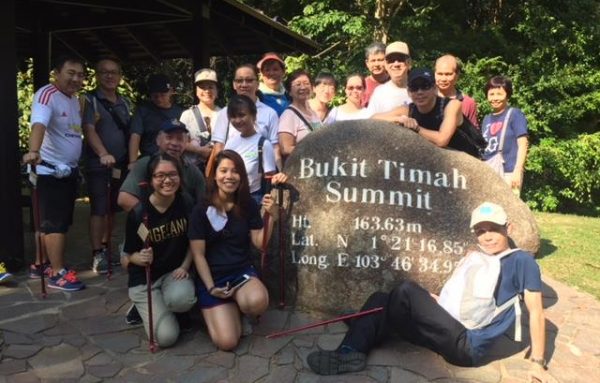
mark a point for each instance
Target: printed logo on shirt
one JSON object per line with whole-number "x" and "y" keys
{"x": 169, "y": 230}
{"x": 495, "y": 127}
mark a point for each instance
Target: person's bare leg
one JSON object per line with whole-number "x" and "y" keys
{"x": 55, "y": 250}
{"x": 224, "y": 327}
{"x": 40, "y": 254}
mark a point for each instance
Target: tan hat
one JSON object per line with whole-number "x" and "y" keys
{"x": 488, "y": 212}
{"x": 397, "y": 47}
{"x": 205, "y": 74}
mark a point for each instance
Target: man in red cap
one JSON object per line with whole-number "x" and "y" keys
{"x": 272, "y": 91}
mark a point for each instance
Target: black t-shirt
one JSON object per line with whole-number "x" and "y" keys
{"x": 432, "y": 120}
{"x": 228, "y": 249}
{"x": 167, "y": 236}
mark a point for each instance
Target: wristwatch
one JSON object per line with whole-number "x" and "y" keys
{"x": 540, "y": 361}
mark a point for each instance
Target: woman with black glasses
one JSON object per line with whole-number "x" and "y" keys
{"x": 156, "y": 237}
{"x": 352, "y": 109}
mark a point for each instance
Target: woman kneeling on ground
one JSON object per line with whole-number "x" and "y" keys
{"x": 221, "y": 232}
{"x": 164, "y": 214}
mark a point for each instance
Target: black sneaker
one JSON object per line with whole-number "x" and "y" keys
{"x": 185, "y": 321}
{"x": 133, "y": 317}
{"x": 334, "y": 362}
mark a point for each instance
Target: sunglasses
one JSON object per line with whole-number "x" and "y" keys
{"x": 421, "y": 86}
{"x": 396, "y": 57}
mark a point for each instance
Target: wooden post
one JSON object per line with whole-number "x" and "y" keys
{"x": 11, "y": 225}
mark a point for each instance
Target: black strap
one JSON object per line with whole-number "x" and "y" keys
{"x": 199, "y": 118}
{"x": 304, "y": 120}
{"x": 110, "y": 108}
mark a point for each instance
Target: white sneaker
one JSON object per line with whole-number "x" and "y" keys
{"x": 100, "y": 264}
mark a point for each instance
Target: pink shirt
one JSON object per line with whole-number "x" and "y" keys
{"x": 370, "y": 84}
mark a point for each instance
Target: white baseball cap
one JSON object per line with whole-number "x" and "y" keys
{"x": 488, "y": 212}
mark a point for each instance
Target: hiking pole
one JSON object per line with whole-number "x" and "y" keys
{"x": 322, "y": 323}
{"x": 152, "y": 345}
{"x": 265, "y": 242}
{"x": 35, "y": 201}
{"x": 281, "y": 247}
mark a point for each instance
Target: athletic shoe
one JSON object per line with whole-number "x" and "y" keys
{"x": 5, "y": 276}
{"x": 35, "y": 271}
{"x": 66, "y": 280}
{"x": 100, "y": 263}
{"x": 335, "y": 362}
{"x": 133, "y": 317}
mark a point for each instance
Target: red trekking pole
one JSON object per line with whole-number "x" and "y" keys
{"x": 35, "y": 201}
{"x": 152, "y": 344}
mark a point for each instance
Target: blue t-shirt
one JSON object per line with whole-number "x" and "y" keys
{"x": 491, "y": 129}
{"x": 519, "y": 272}
{"x": 279, "y": 102}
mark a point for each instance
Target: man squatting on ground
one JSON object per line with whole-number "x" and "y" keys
{"x": 430, "y": 321}
{"x": 54, "y": 149}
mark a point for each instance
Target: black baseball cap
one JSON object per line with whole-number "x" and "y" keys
{"x": 158, "y": 83}
{"x": 173, "y": 125}
{"x": 421, "y": 73}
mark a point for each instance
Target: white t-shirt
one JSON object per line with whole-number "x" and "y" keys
{"x": 337, "y": 114}
{"x": 266, "y": 121}
{"x": 199, "y": 136}
{"x": 60, "y": 114}
{"x": 387, "y": 97}
{"x": 247, "y": 148}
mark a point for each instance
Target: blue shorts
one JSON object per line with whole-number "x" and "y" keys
{"x": 207, "y": 301}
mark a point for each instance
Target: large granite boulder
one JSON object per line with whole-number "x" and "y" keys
{"x": 374, "y": 203}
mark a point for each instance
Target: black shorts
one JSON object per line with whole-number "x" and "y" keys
{"x": 57, "y": 201}
{"x": 97, "y": 187}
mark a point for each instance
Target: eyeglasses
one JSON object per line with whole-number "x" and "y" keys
{"x": 174, "y": 176}
{"x": 106, "y": 73}
{"x": 416, "y": 87}
{"x": 239, "y": 81}
{"x": 396, "y": 57}
{"x": 304, "y": 84}
{"x": 357, "y": 87}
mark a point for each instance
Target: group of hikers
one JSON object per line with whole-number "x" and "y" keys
{"x": 192, "y": 182}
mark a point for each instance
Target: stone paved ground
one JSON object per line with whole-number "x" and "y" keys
{"x": 82, "y": 337}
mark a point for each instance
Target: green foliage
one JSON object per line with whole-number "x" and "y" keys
{"x": 564, "y": 175}
{"x": 25, "y": 99}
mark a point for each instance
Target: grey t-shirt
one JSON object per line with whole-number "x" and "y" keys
{"x": 114, "y": 136}
{"x": 193, "y": 180}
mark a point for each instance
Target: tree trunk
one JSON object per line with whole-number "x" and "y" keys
{"x": 385, "y": 10}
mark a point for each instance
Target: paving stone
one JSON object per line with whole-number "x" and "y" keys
{"x": 60, "y": 362}
{"x": 329, "y": 341}
{"x": 337, "y": 328}
{"x": 398, "y": 375}
{"x": 62, "y": 328}
{"x": 243, "y": 346}
{"x": 271, "y": 321}
{"x": 75, "y": 340}
{"x": 87, "y": 309}
{"x": 87, "y": 378}
{"x": 101, "y": 324}
{"x": 21, "y": 351}
{"x": 204, "y": 373}
{"x": 285, "y": 356}
{"x": 266, "y": 348}
{"x": 120, "y": 342}
{"x": 32, "y": 324}
{"x": 50, "y": 340}
{"x": 99, "y": 359}
{"x": 574, "y": 374}
{"x": 304, "y": 340}
{"x": 250, "y": 368}
{"x": 169, "y": 365}
{"x": 16, "y": 338}
{"x": 117, "y": 301}
{"x": 221, "y": 358}
{"x": 88, "y": 292}
{"x": 298, "y": 319}
{"x": 106, "y": 370}
{"x": 24, "y": 377}
{"x": 88, "y": 351}
{"x": 431, "y": 365}
{"x": 485, "y": 374}
{"x": 200, "y": 344}
{"x": 281, "y": 374}
{"x": 301, "y": 354}
{"x": 517, "y": 368}
{"x": 14, "y": 366}
{"x": 18, "y": 310}
{"x": 8, "y": 297}
{"x": 379, "y": 374}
